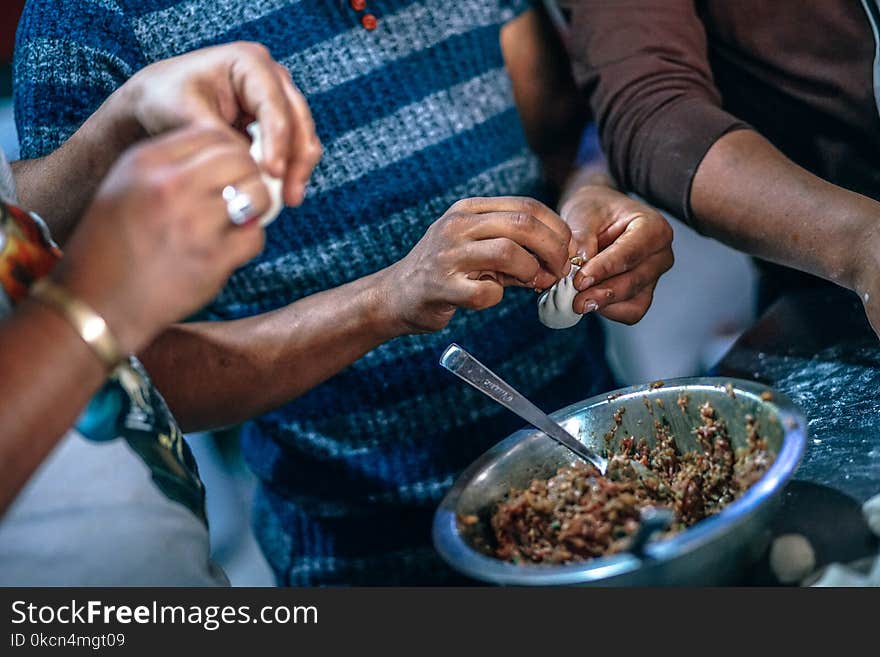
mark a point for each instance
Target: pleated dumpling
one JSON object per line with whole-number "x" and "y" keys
{"x": 555, "y": 308}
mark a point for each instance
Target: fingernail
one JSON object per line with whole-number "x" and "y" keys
{"x": 590, "y": 307}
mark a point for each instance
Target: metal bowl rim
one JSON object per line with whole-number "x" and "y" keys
{"x": 456, "y": 552}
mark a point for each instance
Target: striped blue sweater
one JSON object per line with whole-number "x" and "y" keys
{"x": 413, "y": 115}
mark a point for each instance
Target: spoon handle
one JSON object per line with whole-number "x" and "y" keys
{"x": 466, "y": 367}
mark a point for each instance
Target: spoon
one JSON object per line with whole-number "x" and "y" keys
{"x": 466, "y": 367}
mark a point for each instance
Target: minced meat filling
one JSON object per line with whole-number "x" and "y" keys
{"x": 577, "y": 514}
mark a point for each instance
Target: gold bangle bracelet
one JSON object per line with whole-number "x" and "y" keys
{"x": 90, "y": 326}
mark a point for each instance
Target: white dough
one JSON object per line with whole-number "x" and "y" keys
{"x": 839, "y": 575}
{"x": 851, "y": 575}
{"x": 874, "y": 575}
{"x": 871, "y": 511}
{"x": 792, "y": 558}
{"x": 555, "y": 304}
{"x": 272, "y": 184}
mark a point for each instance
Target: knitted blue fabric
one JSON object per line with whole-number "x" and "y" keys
{"x": 413, "y": 115}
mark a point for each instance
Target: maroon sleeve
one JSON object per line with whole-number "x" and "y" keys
{"x": 645, "y": 65}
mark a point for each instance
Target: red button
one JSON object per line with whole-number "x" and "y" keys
{"x": 369, "y": 22}
{"x": 358, "y": 5}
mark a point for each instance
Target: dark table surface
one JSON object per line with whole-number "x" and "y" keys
{"x": 818, "y": 348}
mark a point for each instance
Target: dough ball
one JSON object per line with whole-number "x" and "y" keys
{"x": 792, "y": 558}
{"x": 871, "y": 511}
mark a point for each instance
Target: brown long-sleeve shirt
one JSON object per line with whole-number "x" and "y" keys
{"x": 667, "y": 78}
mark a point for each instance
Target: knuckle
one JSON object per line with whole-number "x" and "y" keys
{"x": 164, "y": 186}
{"x": 531, "y": 267}
{"x": 563, "y": 248}
{"x": 276, "y": 123}
{"x": 458, "y": 206}
{"x": 506, "y": 250}
{"x": 445, "y": 257}
{"x": 452, "y": 223}
{"x": 255, "y": 49}
{"x": 529, "y": 205}
{"x": 565, "y": 229}
{"x": 635, "y": 315}
{"x": 666, "y": 232}
{"x": 314, "y": 150}
{"x": 463, "y": 205}
{"x": 636, "y": 285}
{"x": 188, "y": 104}
{"x": 521, "y": 220}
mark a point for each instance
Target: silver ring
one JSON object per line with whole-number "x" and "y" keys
{"x": 239, "y": 206}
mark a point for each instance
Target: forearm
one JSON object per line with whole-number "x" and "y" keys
{"x": 60, "y": 185}
{"x": 749, "y": 195}
{"x": 219, "y": 373}
{"x": 552, "y": 109}
{"x": 48, "y": 376}
{"x": 645, "y": 66}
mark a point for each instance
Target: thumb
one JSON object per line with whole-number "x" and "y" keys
{"x": 585, "y": 243}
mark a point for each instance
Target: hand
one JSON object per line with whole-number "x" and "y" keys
{"x": 627, "y": 246}
{"x": 156, "y": 243}
{"x": 469, "y": 255}
{"x": 232, "y": 84}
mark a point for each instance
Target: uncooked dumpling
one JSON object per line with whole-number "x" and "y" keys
{"x": 272, "y": 183}
{"x": 555, "y": 308}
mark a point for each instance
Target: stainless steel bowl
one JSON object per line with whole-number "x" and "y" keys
{"x": 713, "y": 551}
